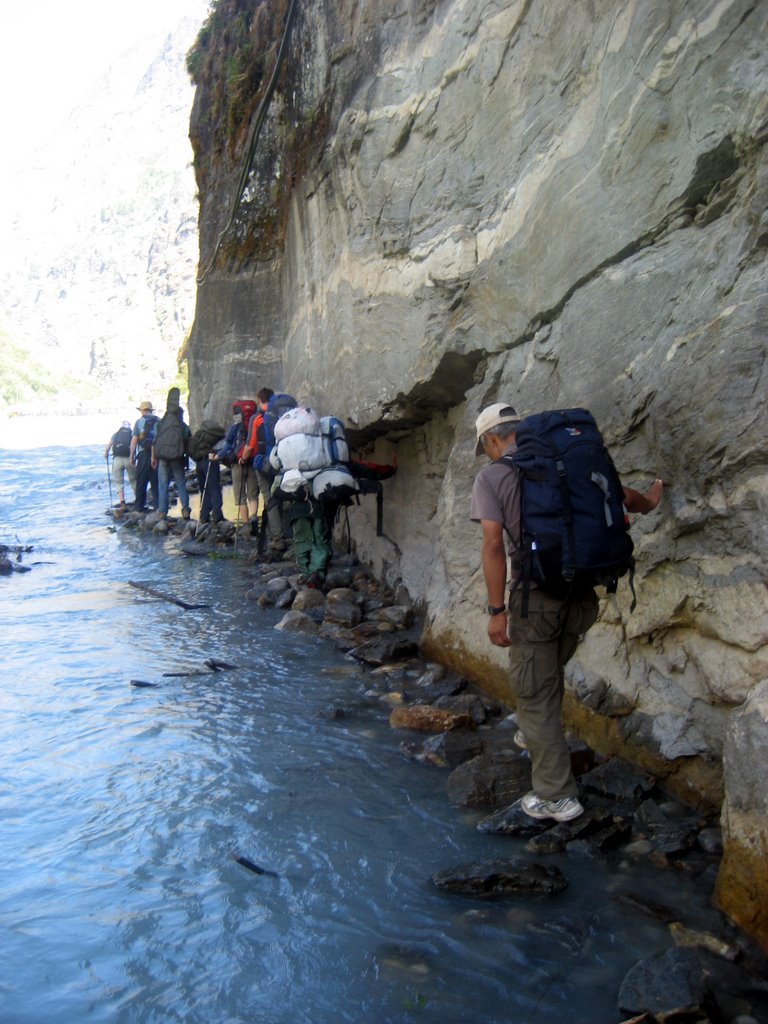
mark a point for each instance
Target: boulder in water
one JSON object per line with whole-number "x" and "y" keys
{"x": 501, "y": 878}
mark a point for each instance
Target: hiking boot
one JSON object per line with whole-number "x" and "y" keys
{"x": 519, "y": 740}
{"x": 185, "y": 512}
{"x": 564, "y": 809}
{"x": 315, "y": 580}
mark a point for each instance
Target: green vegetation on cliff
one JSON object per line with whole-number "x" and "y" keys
{"x": 22, "y": 378}
{"x": 26, "y": 381}
{"x": 228, "y": 57}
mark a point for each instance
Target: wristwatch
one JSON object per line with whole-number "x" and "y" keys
{"x": 496, "y": 610}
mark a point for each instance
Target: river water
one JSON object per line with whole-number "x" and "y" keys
{"x": 124, "y": 810}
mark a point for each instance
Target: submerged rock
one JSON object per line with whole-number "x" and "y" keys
{"x": 672, "y": 980}
{"x": 647, "y": 906}
{"x": 501, "y": 878}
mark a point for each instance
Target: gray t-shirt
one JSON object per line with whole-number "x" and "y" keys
{"x": 496, "y": 496}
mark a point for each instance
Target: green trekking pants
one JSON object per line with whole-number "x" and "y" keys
{"x": 541, "y": 646}
{"x": 312, "y": 543}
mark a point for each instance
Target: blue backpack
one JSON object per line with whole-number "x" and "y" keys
{"x": 148, "y": 430}
{"x": 265, "y": 436}
{"x": 575, "y": 529}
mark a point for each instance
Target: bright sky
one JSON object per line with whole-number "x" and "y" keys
{"x": 52, "y": 50}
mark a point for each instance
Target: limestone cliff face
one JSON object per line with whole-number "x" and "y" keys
{"x": 455, "y": 202}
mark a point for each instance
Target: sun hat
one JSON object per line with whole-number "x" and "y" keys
{"x": 146, "y": 407}
{"x": 493, "y": 416}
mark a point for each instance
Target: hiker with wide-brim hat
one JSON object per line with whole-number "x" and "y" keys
{"x": 141, "y": 454}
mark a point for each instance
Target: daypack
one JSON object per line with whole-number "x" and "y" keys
{"x": 574, "y": 527}
{"x": 204, "y": 439}
{"x": 247, "y": 407}
{"x": 121, "y": 442}
{"x": 169, "y": 436}
{"x": 265, "y": 435}
{"x": 147, "y": 435}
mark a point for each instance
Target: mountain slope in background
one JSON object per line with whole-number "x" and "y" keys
{"x": 97, "y": 276}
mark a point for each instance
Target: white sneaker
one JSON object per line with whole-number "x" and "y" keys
{"x": 519, "y": 740}
{"x": 561, "y": 810}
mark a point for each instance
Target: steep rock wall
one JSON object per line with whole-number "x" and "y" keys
{"x": 556, "y": 204}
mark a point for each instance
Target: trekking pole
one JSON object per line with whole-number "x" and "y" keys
{"x": 239, "y": 503}
{"x": 109, "y": 480}
{"x": 202, "y": 497}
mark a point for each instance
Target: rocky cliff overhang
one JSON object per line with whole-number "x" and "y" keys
{"x": 457, "y": 202}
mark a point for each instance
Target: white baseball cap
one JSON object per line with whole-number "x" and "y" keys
{"x": 493, "y": 416}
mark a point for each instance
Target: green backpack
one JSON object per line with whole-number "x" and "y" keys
{"x": 204, "y": 439}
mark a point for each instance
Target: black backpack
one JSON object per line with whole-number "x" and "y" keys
{"x": 121, "y": 442}
{"x": 169, "y": 436}
{"x": 575, "y": 529}
{"x": 204, "y": 439}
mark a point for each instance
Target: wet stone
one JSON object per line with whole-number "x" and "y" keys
{"x": 426, "y": 718}
{"x": 383, "y": 649}
{"x": 426, "y": 688}
{"x": 513, "y": 821}
{"x": 297, "y": 622}
{"x": 494, "y": 778}
{"x": 343, "y": 639}
{"x": 711, "y": 840}
{"x": 399, "y": 616}
{"x": 669, "y": 836}
{"x": 464, "y": 703}
{"x": 672, "y": 980}
{"x": 501, "y": 878}
{"x": 285, "y": 599}
{"x": 308, "y": 599}
{"x": 616, "y": 779}
{"x": 277, "y": 585}
{"x": 343, "y": 595}
{"x": 336, "y": 578}
{"x": 342, "y": 613}
{"x": 645, "y": 905}
{"x": 690, "y": 938}
{"x": 445, "y": 750}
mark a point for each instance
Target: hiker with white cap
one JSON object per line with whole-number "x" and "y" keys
{"x": 120, "y": 446}
{"x": 141, "y": 453}
{"x": 541, "y": 624}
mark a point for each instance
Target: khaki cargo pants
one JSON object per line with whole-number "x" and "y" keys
{"x": 541, "y": 646}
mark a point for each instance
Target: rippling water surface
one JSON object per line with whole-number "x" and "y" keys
{"x": 124, "y": 810}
